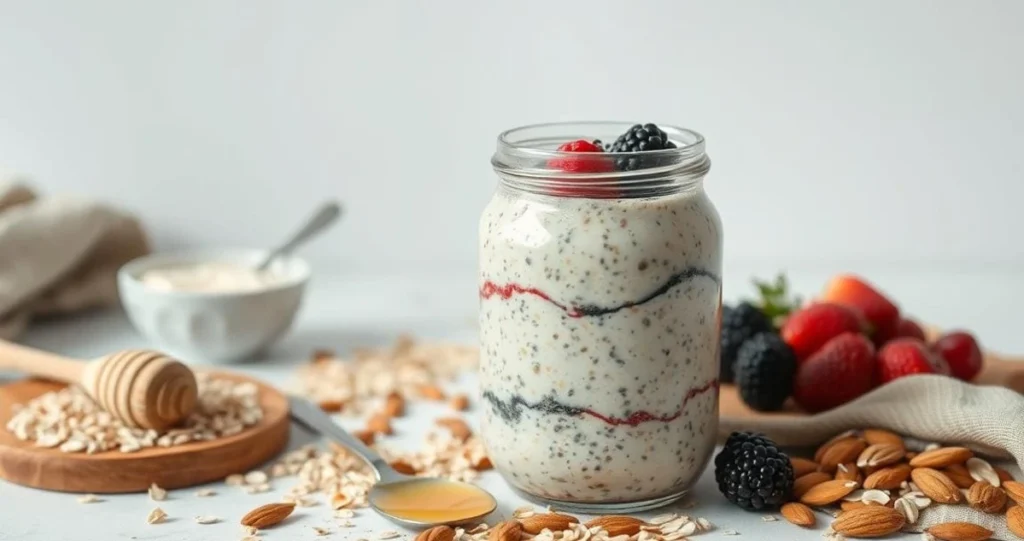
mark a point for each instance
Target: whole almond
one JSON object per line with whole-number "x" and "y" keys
{"x": 849, "y": 472}
{"x": 987, "y": 498}
{"x": 617, "y": 525}
{"x": 880, "y": 454}
{"x": 1015, "y": 520}
{"x": 936, "y": 485}
{"x": 869, "y": 521}
{"x": 394, "y": 406}
{"x": 849, "y": 434}
{"x": 402, "y": 466}
{"x": 437, "y": 533}
{"x": 555, "y": 522}
{"x": 798, "y": 514}
{"x": 1015, "y": 491}
{"x": 331, "y": 406}
{"x": 802, "y": 466}
{"x": 878, "y": 436}
{"x": 959, "y": 475}
{"x": 267, "y": 515}
{"x": 379, "y": 423}
{"x": 459, "y": 429}
{"x": 959, "y": 531}
{"x": 941, "y": 457}
{"x": 828, "y": 492}
{"x": 459, "y": 402}
{"x": 365, "y": 436}
{"x": 847, "y": 506}
{"x": 841, "y": 452}
{"x": 805, "y": 482}
{"x": 510, "y": 530}
{"x": 889, "y": 478}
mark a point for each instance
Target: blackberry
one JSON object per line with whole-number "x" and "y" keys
{"x": 639, "y": 138}
{"x": 739, "y": 323}
{"x": 753, "y": 473}
{"x": 765, "y": 367}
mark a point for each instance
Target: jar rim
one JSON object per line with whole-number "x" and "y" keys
{"x": 506, "y": 141}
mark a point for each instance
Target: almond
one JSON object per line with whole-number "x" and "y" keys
{"x": 802, "y": 466}
{"x": 1015, "y": 521}
{"x": 431, "y": 392}
{"x": 838, "y": 437}
{"x": 459, "y": 402}
{"x": 510, "y": 530}
{"x": 959, "y": 531}
{"x": 936, "y": 485}
{"x": 985, "y": 497}
{"x": 617, "y": 525}
{"x": 878, "y": 436}
{"x": 959, "y": 475}
{"x": 805, "y": 482}
{"x": 331, "y": 406}
{"x": 1015, "y": 491}
{"x": 1003, "y": 474}
{"x": 869, "y": 521}
{"x": 394, "y": 406}
{"x": 437, "y": 533}
{"x": 402, "y": 466}
{"x": 379, "y": 423}
{"x": 847, "y": 506}
{"x": 798, "y": 514}
{"x": 849, "y": 472}
{"x": 941, "y": 457}
{"x": 365, "y": 436}
{"x": 267, "y": 515}
{"x": 459, "y": 429}
{"x": 841, "y": 451}
{"x": 483, "y": 464}
{"x": 555, "y": 522}
{"x": 828, "y": 492}
{"x": 888, "y": 478}
{"x": 880, "y": 454}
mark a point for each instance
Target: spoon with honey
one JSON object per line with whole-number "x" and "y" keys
{"x": 414, "y": 502}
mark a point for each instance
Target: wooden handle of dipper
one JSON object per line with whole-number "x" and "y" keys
{"x": 145, "y": 389}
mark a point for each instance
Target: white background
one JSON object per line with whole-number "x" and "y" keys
{"x": 843, "y": 134}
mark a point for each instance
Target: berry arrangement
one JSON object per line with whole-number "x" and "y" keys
{"x": 833, "y": 350}
{"x": 597, "y": 157}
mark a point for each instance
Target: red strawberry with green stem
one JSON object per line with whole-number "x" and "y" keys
{"x": 908, "y": 356}
{"x": 810, "y": 328}
{"x": 842, "y": 370}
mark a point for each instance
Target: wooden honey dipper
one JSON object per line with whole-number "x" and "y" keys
{"x": 142, "y": 388}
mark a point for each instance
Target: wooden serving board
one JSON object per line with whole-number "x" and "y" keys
{"x": 113, "y": 471}
{"x": 999, "y": 370}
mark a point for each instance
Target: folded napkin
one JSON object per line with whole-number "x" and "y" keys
{"x": 927, "y": 408}
{"x": 59, "y": 255}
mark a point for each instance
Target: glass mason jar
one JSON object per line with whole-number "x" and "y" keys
{"x": 600, "y": 296}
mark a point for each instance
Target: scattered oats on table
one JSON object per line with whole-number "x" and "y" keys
{"x": 388, "y": 534}
{"x": 207, "y": 519}
{"x": 321, "y": 531}
{"x": 769, "y": 518}
{"x": 156, "y": 493}
{"x": 205, "y": 492}
{"x": 156, "y": 516}
{"x": 89, "y": 498}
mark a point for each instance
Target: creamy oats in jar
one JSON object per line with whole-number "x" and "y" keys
{"x": 600, "y": 293}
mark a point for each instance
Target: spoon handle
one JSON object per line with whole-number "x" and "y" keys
{"x": 40, "y": 363}
{"x": 325, "y": 216}
{"x": 313, "y": 418}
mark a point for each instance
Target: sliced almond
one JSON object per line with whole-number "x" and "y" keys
{"x": 841, "y": 451}
{"x": 875, "y": 496}
{"x": 908, "y": 509}
{"x": 828, "y": 492}
{"x": 986, "y": 498}
{"x": 268, "y": 515}
{"x": 981, "y": 470}
{"x": 869, "y": 521}
{"x": 806, "y": 482}
{"x": 889, "y": 478}
{"x": 959, "y": 531}
{"x": 616, "y": 525}
{"x": 799, "y": 514}
{"x": 1015, "y": 520}
{"x": 959, "y": 475}
{"x": 936, "y": 485}
{"x": 510, "y": 530}
{"x": 877, "y": 436}
{"x": 555, "y": 522}
{"x": 802, "y": 466}
{"x": 941, "y": 457}
{"x": 1015, "y": 490}
{"x": 880, "y": 454}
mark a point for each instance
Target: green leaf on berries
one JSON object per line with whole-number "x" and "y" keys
{"x": 776, "y": 301}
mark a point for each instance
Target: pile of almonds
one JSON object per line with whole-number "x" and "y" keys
{"x": 880, "y": 487}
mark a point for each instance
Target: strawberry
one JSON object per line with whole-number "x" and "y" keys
{"x": 908, "y": 356}
{"x": 906, "y": 328}
{"x": 842, "y": 370}
{"x": 961, "y": 352}
{"x": 854, "y": 292}
{"x": 806, "y": 330}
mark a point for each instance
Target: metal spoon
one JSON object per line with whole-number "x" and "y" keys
{"x": 388, "y": 480}
{"x": 325, "y": 216}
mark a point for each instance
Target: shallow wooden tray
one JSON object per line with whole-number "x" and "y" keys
{"x": 113, "y": 472}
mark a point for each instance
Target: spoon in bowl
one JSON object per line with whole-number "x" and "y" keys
{"x": 324, "y": 216}
{"x": 413, "y": 502}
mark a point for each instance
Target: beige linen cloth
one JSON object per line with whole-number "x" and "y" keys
{"x": 59, "y": 255}
{"x": 990, "y": 420}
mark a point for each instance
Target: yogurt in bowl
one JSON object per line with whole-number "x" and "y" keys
{"x": 212, "y": 306}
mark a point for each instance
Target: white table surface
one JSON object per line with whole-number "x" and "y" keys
{"x": 343, "y": 312}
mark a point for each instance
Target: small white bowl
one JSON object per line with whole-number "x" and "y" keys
{"x": 213, "y": 326}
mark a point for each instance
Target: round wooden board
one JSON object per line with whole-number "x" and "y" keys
{"x": 113, "y": 471}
